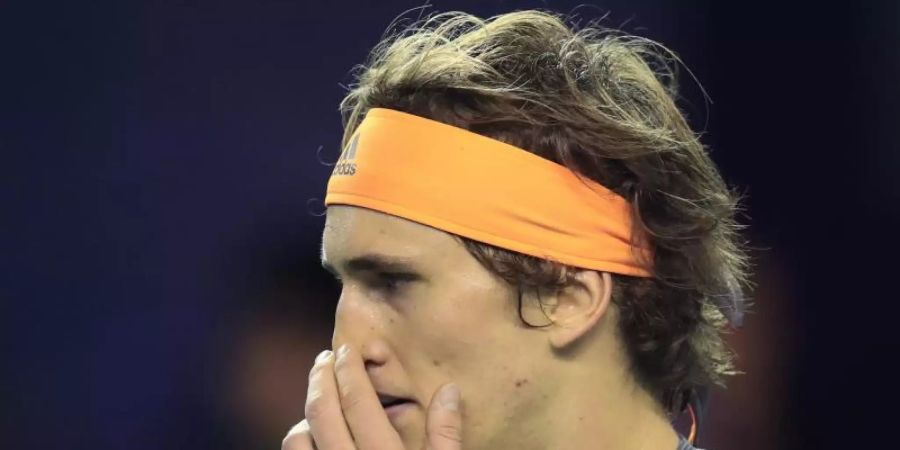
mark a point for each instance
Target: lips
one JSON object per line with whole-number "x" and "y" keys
{"x": 388, "y": 401}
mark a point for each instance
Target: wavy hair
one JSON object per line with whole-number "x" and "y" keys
{"x": 602, "y": 103}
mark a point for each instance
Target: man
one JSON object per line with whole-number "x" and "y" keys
{"x": 535, "y": 250}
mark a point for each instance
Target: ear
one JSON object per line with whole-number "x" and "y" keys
{"x": 579, "y": 306}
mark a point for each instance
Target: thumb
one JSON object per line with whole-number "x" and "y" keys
{"x": 443, "y": 424}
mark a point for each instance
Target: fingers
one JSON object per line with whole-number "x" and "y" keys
{"x": 443, "y": 425}
{"x": 363, "y": 412}
{"x": 324, "y": 419}
{"x": 343, "y": 411}
{"x": 298, "y": 438}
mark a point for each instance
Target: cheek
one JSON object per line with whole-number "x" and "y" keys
{"x": 463, "y": 323}
{"x": 472, "y": 338}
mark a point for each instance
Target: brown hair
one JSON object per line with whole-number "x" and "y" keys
{"x": 602, "y": 103}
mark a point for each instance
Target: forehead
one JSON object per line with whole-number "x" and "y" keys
{"x": 351, "y": 230}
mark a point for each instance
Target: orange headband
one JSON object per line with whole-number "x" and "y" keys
{"x": 483, "y": 189}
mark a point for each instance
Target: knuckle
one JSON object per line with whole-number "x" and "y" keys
{"x": 350, "y": 397}
{"x": 447, "y": 431}
{"x": 315, "y": 406}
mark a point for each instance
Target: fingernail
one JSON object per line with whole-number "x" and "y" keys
{"x": 448, "y": 397}
{"x": 323, "y": 356}
{"x": 342, "y": 351}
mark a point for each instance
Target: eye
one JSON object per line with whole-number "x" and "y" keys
{"x": 391, "y": 282}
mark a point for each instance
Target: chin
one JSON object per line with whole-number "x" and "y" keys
{"x": 412, "y": 438}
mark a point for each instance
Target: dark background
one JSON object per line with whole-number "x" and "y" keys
{"x": 159, "y": 284}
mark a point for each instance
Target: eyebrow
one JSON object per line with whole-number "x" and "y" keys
{"x": 372, "y": 263}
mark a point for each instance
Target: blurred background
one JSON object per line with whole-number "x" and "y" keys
{"x": 162, "y": 185}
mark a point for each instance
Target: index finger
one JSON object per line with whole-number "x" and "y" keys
{"x": 365, "y": 416}
{"x": 323, "y": 409}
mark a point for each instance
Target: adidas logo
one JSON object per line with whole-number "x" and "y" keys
{"x": 345, "y": 164}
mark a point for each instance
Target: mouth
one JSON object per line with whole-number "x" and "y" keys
{"x": 388, "y": 401}
{"x": 394, "y": 406}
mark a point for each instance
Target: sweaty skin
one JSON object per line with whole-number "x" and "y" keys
{"x": 422, "y": 312}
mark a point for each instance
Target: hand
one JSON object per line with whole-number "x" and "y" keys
{"x": 343, "y": 411}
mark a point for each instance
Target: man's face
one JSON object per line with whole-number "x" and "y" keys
{"x": 434, "y": 316}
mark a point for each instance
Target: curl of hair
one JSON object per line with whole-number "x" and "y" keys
{"x": 602, "y": 103}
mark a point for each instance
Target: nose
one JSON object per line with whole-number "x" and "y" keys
{"x": 359, "y": 323}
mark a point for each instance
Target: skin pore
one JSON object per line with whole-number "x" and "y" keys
{"x": 423, "y": 312}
